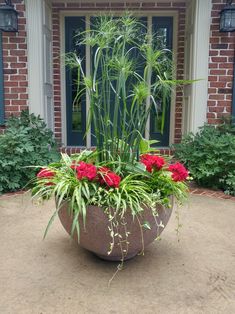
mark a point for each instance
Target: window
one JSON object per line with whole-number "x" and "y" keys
{"x": 76, "y": 110}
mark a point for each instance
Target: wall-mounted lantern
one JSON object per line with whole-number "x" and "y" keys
{"x": 8, "y": 17}
{"x": 227, "y": 17}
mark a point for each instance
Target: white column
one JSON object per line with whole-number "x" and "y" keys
{"x": 200, "y": 64}
{"x": 34, "y": 20}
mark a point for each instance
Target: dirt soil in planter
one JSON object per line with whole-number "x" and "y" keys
{"x": 196, "y": 275}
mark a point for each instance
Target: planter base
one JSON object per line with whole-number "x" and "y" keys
{"x": 118, "y": 258}
{"x": 95, "y": 236}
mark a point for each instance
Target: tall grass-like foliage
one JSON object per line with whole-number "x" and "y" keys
{"x": 127, "y": 73}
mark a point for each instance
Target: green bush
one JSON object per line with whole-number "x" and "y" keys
{"x": 210, "y": 156}
{"x": 26, "y": 142}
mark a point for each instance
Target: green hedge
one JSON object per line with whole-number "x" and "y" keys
{"x": 210, "y": 156}
{"x": 26, "y": 142}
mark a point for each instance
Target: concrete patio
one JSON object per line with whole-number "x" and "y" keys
{"x": 196, "y": 275}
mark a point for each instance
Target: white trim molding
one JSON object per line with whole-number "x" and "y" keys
{"x": 198, "y": 62}
{"x": 34, "y": 19}
{"x": 40, "y": 72}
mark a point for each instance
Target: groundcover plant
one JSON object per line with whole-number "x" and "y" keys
{"x": 129, "y": 78}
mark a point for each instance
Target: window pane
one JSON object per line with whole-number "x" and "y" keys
{"x": 75, "y": 100}
{"x": 161, "y": 38}
{"x": 160, "y": 120}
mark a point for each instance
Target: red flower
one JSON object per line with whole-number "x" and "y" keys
{"x": 109, "y": 178}
{"x": 179, "y": 172}
{"x": 45, "y": 173}
{"x": 152, "y": 162}
{"x": 85, "y": 170}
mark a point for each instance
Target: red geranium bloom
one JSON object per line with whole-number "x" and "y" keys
{"x": 179, "y": 172}
{"x": 152, "y": 162}
{"x": 109, "y": 178}
{"x": 85, "y": 170}
{"x": 45, "y": 173}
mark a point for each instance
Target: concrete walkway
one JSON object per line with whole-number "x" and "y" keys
{"x": 196, "y": 275}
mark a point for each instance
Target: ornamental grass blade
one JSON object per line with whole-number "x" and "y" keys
{"x": 50, "y": 222}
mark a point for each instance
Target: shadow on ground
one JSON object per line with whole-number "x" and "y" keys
{"x": 195, "y": 275}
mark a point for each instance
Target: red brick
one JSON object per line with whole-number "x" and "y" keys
{"x": 12, "y": 108}
{"x": 226, "y": 78}
{"x": 227, "y": 52}
{"x": 148, "y": 5}
{"x": 211, "y": 115}
{"x": 216, "y": 109}
{"x": 213, "y": 53}
{"x": 22, "y": 71}
{"x": 23, "y": 83}
{"x": 214, "y": 121}
{"x": 10, "y": 84}
{"x": 87, "y": 5}
{"x": 73, "y": 5}
{"x": 218, "y": 72}
{"x": 222, "y": 103}
{"x": 11, "y": 96}
{"x": 212, "y": 78}
{"x": 117, "y": 5}
{"x": 162, "y": 4}
{"x": 18, "y": 77}
{"x": 18, "y": 90}
{"x": 211, "y": 103}
{"x": 17, "y": 39}
{"x": 218, "y": 59}
{"x": 19, "y": 102}
{"x": 218, "y": 84}
{"x": 18, "y": 65}
{"x": 226, "y": 65}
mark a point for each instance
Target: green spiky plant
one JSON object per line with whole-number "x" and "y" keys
{"x": 127, "y": 73}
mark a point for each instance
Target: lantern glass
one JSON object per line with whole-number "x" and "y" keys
{"x": 8, "y": 19}
{"x": 227, "y": 19}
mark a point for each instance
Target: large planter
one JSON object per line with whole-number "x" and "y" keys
{"x": 96, "y": 237}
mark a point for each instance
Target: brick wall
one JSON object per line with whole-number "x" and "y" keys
{"x": 221, "y": 63}
{"x": 15, "y": 65}
{"x": 99, "y": 6}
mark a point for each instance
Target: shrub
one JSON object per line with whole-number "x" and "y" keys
{"x": 210, "y": 157}
{"x": 26, "y": 142}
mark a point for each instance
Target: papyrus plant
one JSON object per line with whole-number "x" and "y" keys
{"x": 129, "y": 76}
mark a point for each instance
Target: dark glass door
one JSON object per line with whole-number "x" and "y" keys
{"x": 76, "y": 107}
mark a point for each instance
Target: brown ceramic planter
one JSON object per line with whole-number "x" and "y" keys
{"x": 96, "y": 238}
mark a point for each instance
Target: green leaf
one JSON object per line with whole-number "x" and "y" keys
{"x": 145, "y": 146}
{"x": 146, "y": 225}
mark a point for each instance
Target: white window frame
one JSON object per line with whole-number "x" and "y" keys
{"x": 87, "y": 14}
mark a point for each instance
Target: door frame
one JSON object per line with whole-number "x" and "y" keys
{"x": 171, "y": 13}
